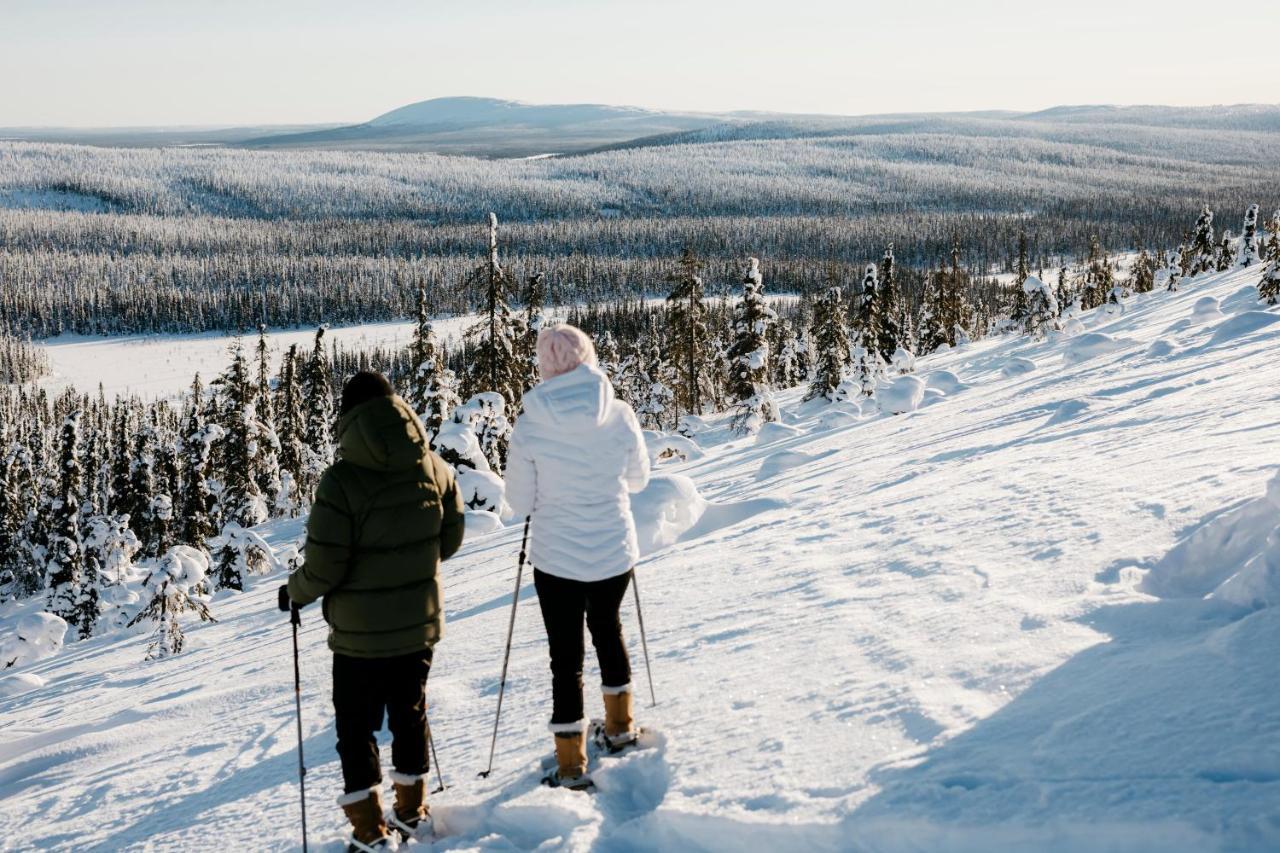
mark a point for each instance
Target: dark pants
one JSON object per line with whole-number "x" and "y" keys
{"x": 564, "y": 603}
{"x": 363, "y": 690}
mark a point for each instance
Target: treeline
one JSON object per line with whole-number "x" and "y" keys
{"x": 177, "y": 241}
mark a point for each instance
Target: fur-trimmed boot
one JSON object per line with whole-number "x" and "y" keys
{"x": 410, "y": 816}
{"x": 619, "y": 724}
{"x": 369, "y": 829}
{"x": 571, "y": 758}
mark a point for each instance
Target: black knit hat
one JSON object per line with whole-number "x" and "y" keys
{"x": 362, "y": 388}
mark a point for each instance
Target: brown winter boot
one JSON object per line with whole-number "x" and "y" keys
{"x": 619, "y": 725}
{"x": 364, "y": 810}
{"x": 411, "y": 816}
{"x": 571, "y": 761}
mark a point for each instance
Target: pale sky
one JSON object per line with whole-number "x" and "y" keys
{"x": 171, "y": 62}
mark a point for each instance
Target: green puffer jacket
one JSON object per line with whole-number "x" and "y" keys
{"x": 385, "y": 515}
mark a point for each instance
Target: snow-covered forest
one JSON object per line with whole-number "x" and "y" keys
{"x": 121, "y": 481}
{"x": 144, "y": 240}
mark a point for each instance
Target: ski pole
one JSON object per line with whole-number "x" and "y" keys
{"x": 506, "y": 656}
{"x": 295, "y": 618}
{"x": 435, "y": 758}
{"x": 644, "y": 643}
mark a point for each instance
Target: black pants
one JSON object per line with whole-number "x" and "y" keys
{"x": 564, "y": 603}
{"x": 363, "y": 690}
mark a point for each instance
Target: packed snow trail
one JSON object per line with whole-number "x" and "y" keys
{"x": 919, "y": 632}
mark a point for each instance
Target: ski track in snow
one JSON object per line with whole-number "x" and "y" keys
{"x": 911, "y": 633}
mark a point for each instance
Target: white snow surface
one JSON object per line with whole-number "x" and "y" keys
{"x": 992, "y": 625}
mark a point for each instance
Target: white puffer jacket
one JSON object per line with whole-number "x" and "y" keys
{"x": 575, "y": 456}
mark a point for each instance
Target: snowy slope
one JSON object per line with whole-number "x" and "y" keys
{"x": 918, "y": 632}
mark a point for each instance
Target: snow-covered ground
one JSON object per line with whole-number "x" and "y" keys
{"x": 154, "y": 366}
{"x": 929, "y": 631}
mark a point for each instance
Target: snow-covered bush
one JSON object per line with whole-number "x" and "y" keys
{"x": 482, "y": 490}
{"x": 667, "y": 507}
{"x": 664, "y": 446}
{"x": 36, "y": 636}
{"x": 904, "y": 361}
{"x": 482, "y": 522}
{"x": 170, "y": 589}
{"x": 902, "y": 395}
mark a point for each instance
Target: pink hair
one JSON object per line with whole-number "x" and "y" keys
{"x": 562, "y": 348}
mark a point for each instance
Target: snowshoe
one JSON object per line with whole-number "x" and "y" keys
{"x": 602, "y": 744}
{"x": 583, "y": 783}
{"x": 422, "y": 829}
{"x": 381, "y": 845}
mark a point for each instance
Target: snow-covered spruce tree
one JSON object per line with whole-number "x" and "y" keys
{"x": 424, "y": 358}
{"x": 317, "y": 433}
{"x": 497, "y": 335}
{"x": 166, "y": 479}
{"x": 1099, "y": 276}
{"x": 1042, "y": 308}
{"x": 931, "y": 330}
{"x": 1269, "y": 286}
{"x": 263, "y": 398}
{"x": 609, "y": 360}
{"x": 890, "y": 298}
{"x": 830, "y": 339}
{"x": 197, "y": 513}
{"x": 868, "y": 366}
{"x": 1173, "y": 269}
{"x": 143, "y": 519}
{"x": 957, "y": 309}
{"x": 1018, "y": 308}
{"x": 169, "y": 589}
{"x": 1271, "y": 251}
{"x": 241, "y": 502}
{"x": 21, "y": 565}
{"x": 1250, "y": 253}
{"x": 1143, "y": 274}
{"x": 1202, "y": 253}
{"x": 72, "y": 595}
{"x": 1226, "y": 252}
{"x": 749, "y": 386}
{"x": 687, "y": 343}
{"x": 535, "y": 295}
{"x": 291, "y": 432}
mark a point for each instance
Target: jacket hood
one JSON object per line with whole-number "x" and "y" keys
{"x": 382, "y": 435}
{"x": 577, "y": 400}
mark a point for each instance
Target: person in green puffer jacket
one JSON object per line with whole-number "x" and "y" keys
{"x": 385, "y": 514}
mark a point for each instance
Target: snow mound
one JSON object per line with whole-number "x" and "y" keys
{"x": 1242, "y": 325}
{"x": 1067, "y": 410}
{"x": 663, "y": 446}
{"x": 944, "y": 381}
{"x": 902, "y": 395}
{"x": 904, "y": 361}
{"x": 1206, "y": 310}
{"x": 1091, "y": 345}
{"x": 836, "y": 417}
{"x": 667, "y": 507}
{"x": 482, "y": 522}
{"x": 1234, "y": 557}
{"x": 1017, "y": 366}
{"x": 1160, "y": 348}
{"x": 482, "y": 490}
{"x": 783, "y": 460}
{"x": 1072, "y": 327}
{"x": 931, "y": 396}
{"x": 20, "y": 682}
{"x": 772, "y": 432}
{"x": 36, "y": 636}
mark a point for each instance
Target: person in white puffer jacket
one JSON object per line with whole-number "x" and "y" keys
{"x": 576, "y": 455}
